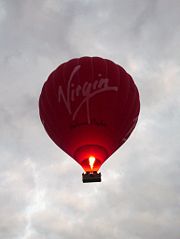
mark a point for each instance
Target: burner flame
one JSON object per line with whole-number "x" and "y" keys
{"x": 91, "y": 161}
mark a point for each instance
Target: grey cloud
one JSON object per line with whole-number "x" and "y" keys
{"x": 42, "y": 195}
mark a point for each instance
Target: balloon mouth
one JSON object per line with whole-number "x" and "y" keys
{"x": 91, "y": 164}
{"x": 91, "y": 157}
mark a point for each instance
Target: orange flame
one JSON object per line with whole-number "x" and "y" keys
{"x": 91, "y": 161}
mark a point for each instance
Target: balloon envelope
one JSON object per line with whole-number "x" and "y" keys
{"x": 89, "y": 106}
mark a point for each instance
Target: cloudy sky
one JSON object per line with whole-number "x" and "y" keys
{"x": 41, "y": 193}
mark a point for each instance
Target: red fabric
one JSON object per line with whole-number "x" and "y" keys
{"x": 89, "y": 107}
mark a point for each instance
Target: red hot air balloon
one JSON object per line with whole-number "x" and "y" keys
{"x": 89, "y": 106}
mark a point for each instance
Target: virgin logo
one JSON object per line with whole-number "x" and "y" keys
{"x": 87, "y": 91}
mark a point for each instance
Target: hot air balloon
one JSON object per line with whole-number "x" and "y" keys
{"x": 89, "y": 106}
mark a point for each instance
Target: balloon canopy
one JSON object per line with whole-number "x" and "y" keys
{"x": 89, "y": 106}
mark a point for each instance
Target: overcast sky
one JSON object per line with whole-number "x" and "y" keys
{"x": 41, "y": 193}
